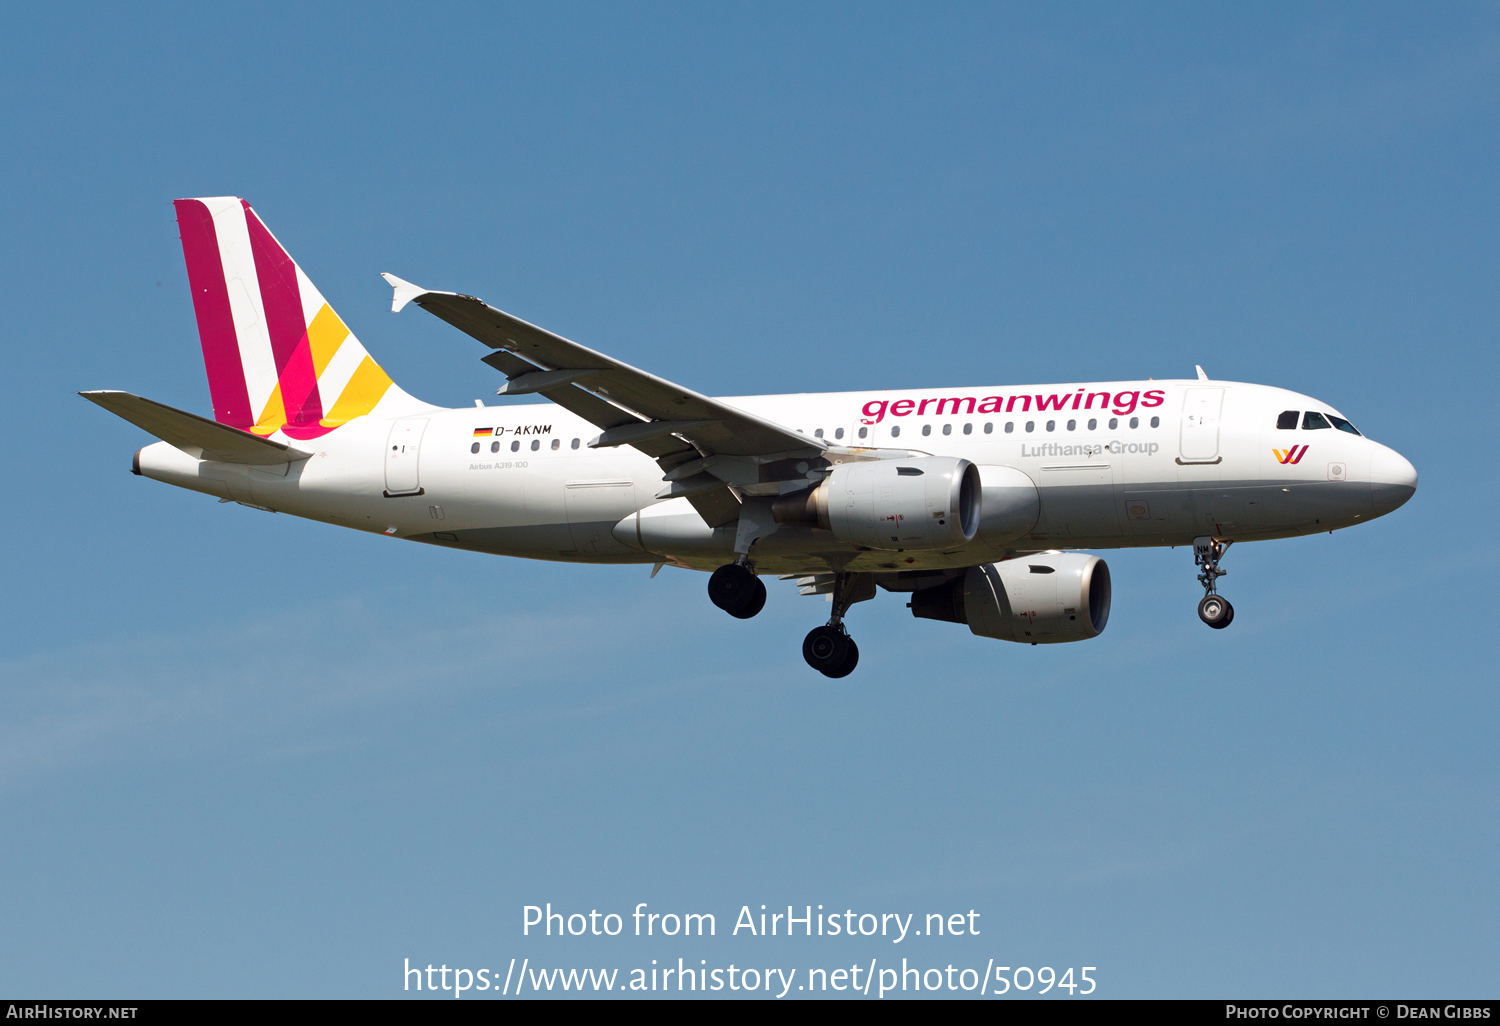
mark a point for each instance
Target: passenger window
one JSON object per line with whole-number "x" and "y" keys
{"x": 1343, "y": 425}
{"x": 989, "y": 428}
{"x": 818, "y": 433}
{"x": 1051, "y": 425}
{"x": 1010, "y": 426}
{"x": 514, "y": 446}
{"x": 968, "y": 429}
{"x": 947, "y": 429}
{"x": 1114, "y": 422}
{"x": 1312, "y": 421}
{"x": 536, "y": 443}
{"x": 1156, "y": 422}
{"x": 557, "y": 443}
{"x": 494, "y": 447}
{"x": 1031, "y": 425}
{"x": 575, "y": 443}
{"x": 896, "y": 431}
{"x": 838, "y": 433}
{"x": 1135, "y": 422}
{"x": 1287, "y": 421}
{"x": 1072, "y": 425}
{"x": 926, "y": 430}
{"x": 1093, "y": 424}
{"x": 474, "y": 447}
{"x": 863, "y": 432}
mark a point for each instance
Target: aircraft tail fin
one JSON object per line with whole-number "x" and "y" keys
{"x": 278, "y": 358}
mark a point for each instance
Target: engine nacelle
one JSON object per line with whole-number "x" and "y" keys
{"x": 1011, "y": 506}
{"x": 929, "y": 502}
{"x": 1037, "y": 600}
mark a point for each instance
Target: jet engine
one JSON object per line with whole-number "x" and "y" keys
{"x": 929, "y": 502}
{"x": 1042, "y": 599}
{"x": 1011, "y": 506}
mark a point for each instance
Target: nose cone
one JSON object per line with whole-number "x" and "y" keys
{"x": 1393, "y": 480}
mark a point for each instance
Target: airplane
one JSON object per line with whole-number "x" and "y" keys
{"x": 975, "y": 503}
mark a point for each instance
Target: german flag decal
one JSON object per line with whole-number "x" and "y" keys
{"x": 483, "y": 432}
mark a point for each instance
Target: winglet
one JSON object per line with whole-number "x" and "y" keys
{"x": 1201, "y": 375}
{"x": 405, "y": 291}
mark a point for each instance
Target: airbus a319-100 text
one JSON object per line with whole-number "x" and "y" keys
{"x": 974, "y": 502}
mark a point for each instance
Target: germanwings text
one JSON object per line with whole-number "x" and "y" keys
{"x": 1119, "y": 403}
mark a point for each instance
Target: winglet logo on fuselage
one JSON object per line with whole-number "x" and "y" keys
{"x": 1290, "y": 457}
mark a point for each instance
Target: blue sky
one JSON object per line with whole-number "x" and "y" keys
{"x": 246, "y": 755}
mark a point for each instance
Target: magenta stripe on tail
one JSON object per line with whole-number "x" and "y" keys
{"x": 221, "y": 348}
{"x": 284, "y": 320}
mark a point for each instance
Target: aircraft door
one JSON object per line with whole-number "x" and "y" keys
{"x": 1200, "y": 425}
{"x": 403, "y": 452}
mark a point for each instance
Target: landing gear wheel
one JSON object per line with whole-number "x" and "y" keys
{"x": 851, "y": 660}
{"x": 1215, "y": 611}
{"x": 830, "y": 651}
{"x": 756, "y": 604}
{"x": 737, "y": 591}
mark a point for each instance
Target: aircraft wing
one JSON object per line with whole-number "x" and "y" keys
{"x": 199, "y": 437}
{"x": 668, "y": 409}
{"x": 670, "y": 423}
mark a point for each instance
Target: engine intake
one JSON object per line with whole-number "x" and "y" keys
{"x": 1038, "y": 600}
{"x": 930, "y": 502}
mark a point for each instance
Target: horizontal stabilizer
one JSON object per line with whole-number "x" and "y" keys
{"x": 199, "y": 437}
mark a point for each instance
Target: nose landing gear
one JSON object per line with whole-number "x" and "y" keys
{"x": 829, "y": 649}
{"x": 735, "y": 589}
{"x": 1215, "y": 609}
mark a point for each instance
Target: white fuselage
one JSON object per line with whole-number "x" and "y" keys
{"x": 1119, "y": 464}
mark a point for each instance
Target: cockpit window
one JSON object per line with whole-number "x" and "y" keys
{"x": 1312, "y": 421}
{"x": 1343, "y": 425}
{"x": 1287, "y": 421}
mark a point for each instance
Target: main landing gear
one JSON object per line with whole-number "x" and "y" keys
{"x": 1215, "y": 609}
{"x": 735, "y": 589}
{"x": 829, "y": 649}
